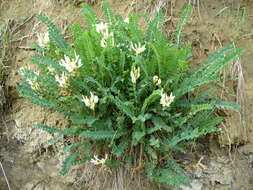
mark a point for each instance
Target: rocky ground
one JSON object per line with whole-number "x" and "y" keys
{"x": 223, "y": 162}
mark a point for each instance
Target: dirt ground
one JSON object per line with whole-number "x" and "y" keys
{"x": 227, "y": 163}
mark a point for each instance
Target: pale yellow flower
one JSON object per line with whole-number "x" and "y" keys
{"x": 102, "y": 27}
{"x": 126, "y": 20}
{"x": 43, "y": 39}
{"x": 135, "y": 74}
{"x": 156, "y": 80}
{"x": 62, "y": 80}
{"x": 71, "y": 64}
{"x": 91, "y": 101}
{"x": 32, "y": 81}
{"x": 96, "y": 161}
{"x": 51, "y": 69}
{"x": 166, "y": 100}
{"x": 138, "y": 48}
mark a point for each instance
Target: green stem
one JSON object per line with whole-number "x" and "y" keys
{"x": 135, "y": 95}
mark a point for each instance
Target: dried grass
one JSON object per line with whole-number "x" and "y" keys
{"x": 235, "y": 127}
{"x": 5, "y": 177}
{"x": 4, "y": 53}
{"x": 76, "y": 2}
{"x": 152, "y": 7}
{"x": 196, "y": 3}
{"x": 236, "y": 72}
{"x": 91, "y": 177}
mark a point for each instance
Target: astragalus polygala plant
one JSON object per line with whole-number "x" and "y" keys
{"x": 130, "y": 96}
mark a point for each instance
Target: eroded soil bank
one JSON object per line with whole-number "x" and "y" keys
{"x": 225, "y": 165}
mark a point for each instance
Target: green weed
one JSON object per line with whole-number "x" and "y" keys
{"x": 130, "y": 96}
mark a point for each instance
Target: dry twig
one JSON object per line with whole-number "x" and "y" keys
{"x": 22, "y": 24}
{"x": 5, "y": 176}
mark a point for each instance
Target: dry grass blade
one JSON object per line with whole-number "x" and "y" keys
{"x": 5, "y": 176}
{"x": 7, "y": 31}
{"x": 237, "y": 72}
{"x": 161, "y": 4}
{"x": 118, "y": 183}
{"x": 196, "y": 2}
{"x": 5, "y": 50}
{"x": 91, "y": 177}
{"x": 235, "y": 133}
{"x": 152, "y": 7}
{"x": 22, "y": 24}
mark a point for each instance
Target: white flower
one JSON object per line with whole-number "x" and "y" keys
{"x": 71, "y": 64}
{"x": 135, "y": 74}
{"x": 62, "y": 80}
{"x": 30, "y": 81}
{"x": 138, "y": 48}
{"x": 43, "y": 39}
{"x": 37, "y": 73}
{"x": 97, "y": 161}
{"x": 156, "y": 80}
{"x": 126, "y": 20}
{"x": 91, "y": 101}
{"x": 166, "y": 100}
{"x": 102, "y": 28}
{"x": 51, "y": 69}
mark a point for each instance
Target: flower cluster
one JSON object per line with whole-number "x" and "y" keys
{"x": 71, "y": 64}
{"x": 138, "y": 48}
{"x": 156, "y": 80}
{"x": 135, "y": 74}
{"x": 166, "y": 100}
{"x": 43, "y": 39}
{"x": 62, "y": 79}
{"x": 103, "y": 29}
{"x": 51, "y": 69}
{"x": 91, "y": 101}
{"x": 96, "y": 161}
{"x": 32, "y": 81}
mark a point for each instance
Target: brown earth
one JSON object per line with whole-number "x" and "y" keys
{"x": 227, "y": 165}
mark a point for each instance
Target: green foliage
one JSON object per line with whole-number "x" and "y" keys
{"x": 125, "y": 90}
{"x": 172, "y": 174}
{"x": 68, "y": 163}
{"x": 107, "y": 134}
{"x": 182, "y": 22}
{"x": 55, "y": 37}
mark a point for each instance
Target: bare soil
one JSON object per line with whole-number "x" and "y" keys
{"x": 223, "y": 162}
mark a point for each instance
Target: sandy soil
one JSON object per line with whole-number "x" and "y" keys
{"x": 227, "y": 165}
